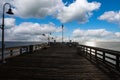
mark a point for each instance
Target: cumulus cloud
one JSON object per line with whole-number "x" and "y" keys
{"x": 9, "y": 22}
{"x": 34, "y": 28}
{"x": 95, "y": 35}
{"x": 28, "y": 31}
{"x": 111, "y": 16}
{"x": 80, "y": 11}
{"x": 117, "y": 34}
{"x": 36, "y": 8}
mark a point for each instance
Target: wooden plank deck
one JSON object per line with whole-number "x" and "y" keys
{"x": 55, "y": 63}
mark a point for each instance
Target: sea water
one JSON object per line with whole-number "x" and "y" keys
{"x": 17, "y": 44}
{"x": 107, "y": 45}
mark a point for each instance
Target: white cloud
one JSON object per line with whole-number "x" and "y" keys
{"x": 34, "y": 28}
{"x": 27, "y": 31}
{"x": 111, "y": 16}
{"x": 117, "y": 34}
{"x": 95, "y": 35}
{"x": 80, "y": 11}
{"x": 36, "y": 8}
{"x": 9, "y": 22}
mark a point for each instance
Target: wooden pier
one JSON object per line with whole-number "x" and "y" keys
{"x": 54, "y": 63}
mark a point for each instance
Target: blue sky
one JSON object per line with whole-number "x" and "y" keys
{"x": 84, "y": 20}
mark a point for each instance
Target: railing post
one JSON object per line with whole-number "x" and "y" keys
{"x": 104, "y": 57}
{"x": 95, "y": 54}
{"x": 20, "y": 50}
{"x": 11, "y": 52}
{"x": 31, "y": 48}
{"x": 85, "y": 50}
{"x": 90, "y": 54}
{"x": 117, "y": 62}
{"x": 28, "y": 49}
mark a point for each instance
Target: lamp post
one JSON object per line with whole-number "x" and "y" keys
{"x": 49, "y": 38}
{"x": 3, "y": 24}
{"x": 62, "y": 32}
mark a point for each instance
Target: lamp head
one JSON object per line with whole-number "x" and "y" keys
{"x": 10, "y": 11}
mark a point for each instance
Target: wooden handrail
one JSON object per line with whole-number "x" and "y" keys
{"x": 13, "y": 51}
{"x": 109, "y": 57}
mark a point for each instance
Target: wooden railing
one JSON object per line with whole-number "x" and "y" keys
{"x": 14, "y": 51}
{"x": 101, "y": 56}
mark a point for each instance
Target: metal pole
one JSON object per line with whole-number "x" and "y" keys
{"x": 3, "y": 45}
{"x": 3, "y": 24}
{"x": 62, "y": 33}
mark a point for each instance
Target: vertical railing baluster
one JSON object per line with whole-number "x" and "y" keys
{"x": 90, "y": 53}
{"x": 96, "y": 54}
{"x": 11, "y": 52}
{"x": 31, "y": 48}
{"x": 104, "y": 57}
{"x": 117, "y": 62}
{"x": 86, "y": 50}
{"x": 20, "y": 50}
{"x": 100, "y": 55}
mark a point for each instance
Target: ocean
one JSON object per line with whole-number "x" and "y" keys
{"x": 15, "y": 44}
{"x": 107, "y": 45}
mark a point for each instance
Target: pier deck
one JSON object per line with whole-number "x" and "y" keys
{"x": 55, "y": 63}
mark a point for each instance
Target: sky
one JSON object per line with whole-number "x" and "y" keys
{"x": 83, "y": 20}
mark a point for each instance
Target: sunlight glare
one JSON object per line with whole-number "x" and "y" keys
{"x": 90, "y": 43}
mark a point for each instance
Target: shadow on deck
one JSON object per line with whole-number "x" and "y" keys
{"x": 55, "y": 63}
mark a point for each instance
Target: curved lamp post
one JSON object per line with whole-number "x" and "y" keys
{"x": 2, "y": 27}
{"x": 62, "y": 32}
